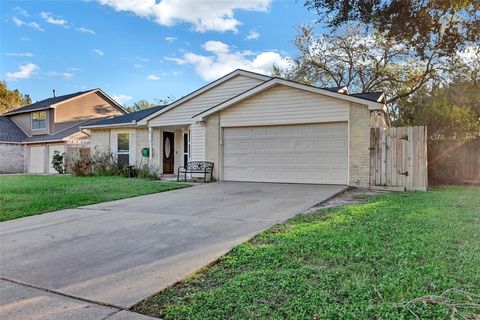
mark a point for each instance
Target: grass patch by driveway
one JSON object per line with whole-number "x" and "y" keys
{"x": 354, "y": 262}
{"x": 26, "y": 195}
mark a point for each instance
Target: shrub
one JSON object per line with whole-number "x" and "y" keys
{"x": 58, "y": 161}
{"x": 81, "y": 166}
{"x": 104, "y": 163}
{"x": 146, "y": 172}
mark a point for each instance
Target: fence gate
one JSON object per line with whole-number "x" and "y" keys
{"x": 398, "y": 158}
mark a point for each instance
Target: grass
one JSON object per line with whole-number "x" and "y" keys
{"x": 354, "y": 262}
{"x": 27, "y": 195}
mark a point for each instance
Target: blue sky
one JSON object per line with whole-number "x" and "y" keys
{"x": 141, "y": 49}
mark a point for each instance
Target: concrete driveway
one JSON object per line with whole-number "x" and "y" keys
{"x": 95, "y": 261}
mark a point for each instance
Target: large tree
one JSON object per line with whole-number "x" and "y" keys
{"x": 366, "y": 61}
{"x": 145, "y": 104}
{"x": 11, "y": 99}
{"x": 447, "y": 26}
{"x": 451, "y": 112}
{"x": 361, "y": 61}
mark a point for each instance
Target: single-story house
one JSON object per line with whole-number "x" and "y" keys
{"x": 256, "y": 128}
{"x": 31, "y": 134}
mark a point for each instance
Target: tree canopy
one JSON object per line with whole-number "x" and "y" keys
{"x": 11, "y": 99}
{"x": 447, "y": 26}
{"x": 145, "y": 104}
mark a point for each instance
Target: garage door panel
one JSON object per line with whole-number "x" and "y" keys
{"x": 313, "y": 153}
{"x": 36, "y": 159}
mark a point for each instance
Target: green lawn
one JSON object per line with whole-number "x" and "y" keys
{"x": 354, "y": 262}
{"x": 27, "y": 195}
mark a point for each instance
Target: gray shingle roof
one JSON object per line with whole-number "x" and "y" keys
{"x": 9, "y": 131}
{"x": 59, "y": 135}
{"x": 46, "y": 103}
{"x": 333, "y": 89}
{"x": 127, "y": 118}
{"x": 372, "y": 96}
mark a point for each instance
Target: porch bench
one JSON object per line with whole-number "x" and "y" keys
{"x": 203, "y": 167}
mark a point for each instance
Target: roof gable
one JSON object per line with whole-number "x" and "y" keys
{"x": 204, "y": 89}
{"x": 279, "y": 81}
{"x": 53, "y": 101}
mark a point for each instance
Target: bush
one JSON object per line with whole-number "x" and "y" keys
{"x": 146, "y": 172}
{"x": 58, "y": 161}
{"x": 104, "y": 163}
{"x": 81, "y": 166}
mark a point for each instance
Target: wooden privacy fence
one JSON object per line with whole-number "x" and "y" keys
{"x": 398, "y": 158}
{"x": 454, "y": 162}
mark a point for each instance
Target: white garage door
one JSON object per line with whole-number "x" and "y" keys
{"x": 36, "y": 159}
{"x": 51, "y": 149}
{"x": 314, "y": 153}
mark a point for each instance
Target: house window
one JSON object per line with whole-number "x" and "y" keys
{"x": 123, "y": 148}
{"x": 39, "y": 120}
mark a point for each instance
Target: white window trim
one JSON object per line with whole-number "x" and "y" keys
{"x": 187, "y": 132}
{"x": 46, "y": 120}
{"x": 123, "y": 152}
{"x": 132, "y": 145}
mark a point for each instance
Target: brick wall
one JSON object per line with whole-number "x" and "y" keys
{"x": 359, "y": 155}
{"x": 100, "y": 140}
{"x": 13, "y": 158}
{"x": 212, "y": 142}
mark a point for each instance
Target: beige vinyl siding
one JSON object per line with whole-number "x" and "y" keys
{"x": 183, "y": 113}
{"x": 89, "y": 106}
{"x": 24, "y": 121}
{"x": 285, "y": 105}
{"x": 197, "y": 140}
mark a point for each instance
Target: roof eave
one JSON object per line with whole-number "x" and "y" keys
{"x": 13, "y": 112}
{"x": 116, "y": 125}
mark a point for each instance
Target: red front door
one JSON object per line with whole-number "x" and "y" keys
{"x": 168, "y": 153}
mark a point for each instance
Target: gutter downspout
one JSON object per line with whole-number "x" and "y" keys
{"x": 150, "y": 145}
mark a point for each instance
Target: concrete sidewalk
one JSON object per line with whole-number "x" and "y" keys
{"x": 97, "y": 260}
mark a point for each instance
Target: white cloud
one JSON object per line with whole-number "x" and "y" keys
{"x": 152, "y": 77}
{"x": 171, "y": 39}
{"x": 225, "y": 60}
{"x": 26, "y": 71}
{"x": 99, "y": 52}
{"x": 48, "y": 17}
{"x": 66, "y": 75}
{"x": 204, "y": 16}
{"x": 74, "y": 69}
{"x": 137, "y": 65}
{"x": 33, "y": 25}
{"x": 252, "y": 35}
{"x": 24, "y": 39}
{"x": 82, "y": 29}
{"x": 21, "y": 11}
{"x": 19, "y": 54}
{"x": 121, "y": 98}
{"x": 176, "y": 60}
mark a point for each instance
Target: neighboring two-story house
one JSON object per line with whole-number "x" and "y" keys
{"x": 31, "y": 134}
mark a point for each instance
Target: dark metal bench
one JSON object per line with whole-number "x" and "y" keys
{"x": 203, "y": 167}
